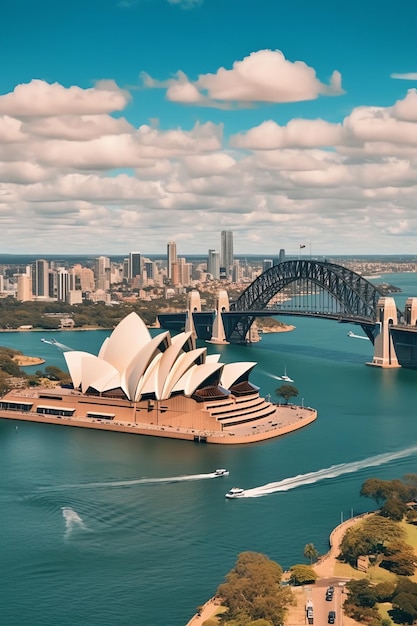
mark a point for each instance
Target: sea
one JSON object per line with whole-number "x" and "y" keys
{"x": 114, "y": 529}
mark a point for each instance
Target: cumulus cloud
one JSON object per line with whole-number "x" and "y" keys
{"x": 406, "y": 109}
{"x": 75, "y": 172}
{"x": 39, "y": 98}
{"x": 264, "y": 76}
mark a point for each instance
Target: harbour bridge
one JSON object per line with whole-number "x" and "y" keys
{"x": 308, "y": 288}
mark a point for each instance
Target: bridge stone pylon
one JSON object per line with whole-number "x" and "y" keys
{"x": 384, "y": 351}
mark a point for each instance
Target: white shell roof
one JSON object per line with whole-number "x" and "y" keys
{"x": 125, "y": 341}
{"x": 233, "y": 371}
{"x": 132, "y": 375}
{"x": 141, "y": 364}
{"x": 73, "y": 361}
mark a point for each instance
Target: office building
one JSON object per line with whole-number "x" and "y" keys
{"x": 236, "y": 271}
{"x": 213, "y": 264}
{"x": 63, "y": 284}
{"x": 135, "y": 265}
{"x": 24, "y": 288}
{"x": 226, "y": 250}
{"x": 102, "y": 273}
{"x": 281, "y": 255}
{"x": 267, "y": 264}
{"x": 171, "y": 258}
{"x": 40, "y": 278}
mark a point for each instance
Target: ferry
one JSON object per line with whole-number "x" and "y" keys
{"x": 235, "y": 492}
{"x": 221, "y": 472}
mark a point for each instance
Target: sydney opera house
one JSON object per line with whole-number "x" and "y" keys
{"x": 163, "y": 386}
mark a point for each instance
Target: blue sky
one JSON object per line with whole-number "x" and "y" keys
{"x": 128, "y": 123}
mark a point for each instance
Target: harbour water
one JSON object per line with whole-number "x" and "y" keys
{"x": 121, "y": 530}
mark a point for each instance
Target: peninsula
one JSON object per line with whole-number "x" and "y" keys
{"x": 161, "y": 386}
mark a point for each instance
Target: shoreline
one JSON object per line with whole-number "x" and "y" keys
{"x": 324, "y": 569}
{"x": 303, "y": 416}
{"x": 27, "y": 361}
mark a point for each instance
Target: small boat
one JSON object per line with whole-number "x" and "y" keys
{"x": 221, "y": 472}
{"x": 352, "y": 334}
{"x": 285, "y": 377}
{"x": 235, "y": 492}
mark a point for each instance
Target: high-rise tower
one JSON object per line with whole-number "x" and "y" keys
{"x": 213, "y": 264}
{"x": 40, "y": 278}
{"x": 135, "y": 264}
{"x": 226, "y": 250}
{"x": 171, "y": 257}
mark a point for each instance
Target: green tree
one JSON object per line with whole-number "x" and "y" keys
{"x": 407, "y": 604}
{"x": 361, "y": 593}
{"x": 302, "y": 574}
{"x": 385, "y": 591}
{"x": 399, "y": 558}
{"x": 310, "y": 552}
{"x": 287, "y": 392}
{"x": 252, "y": 590}
{"x": 376, "y": 489}
{"x": 55, "y": 373}
{"x": 394, "y": 509}
{"x": 369, "y": 537}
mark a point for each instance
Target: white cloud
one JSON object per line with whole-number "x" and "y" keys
{"x": 263, "y": 76}
{"x": 407, "y": 76}
{"x": 105, "y": 184}
{"x": 298, "y": 133}
{"x": 406, "y": 109}
{"x": 39, "y": 98}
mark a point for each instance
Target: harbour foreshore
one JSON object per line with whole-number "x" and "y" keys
{"x": 291, "y": 418}
{"x": 324, "y": 568}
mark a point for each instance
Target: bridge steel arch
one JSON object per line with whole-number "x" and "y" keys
{"x": 356, "y": 295}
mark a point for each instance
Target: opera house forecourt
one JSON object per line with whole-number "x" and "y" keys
{"x": 162, "y": 386}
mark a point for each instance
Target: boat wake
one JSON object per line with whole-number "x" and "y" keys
{"x": 330, "y": 472}
{"x": 352, "y": 334}
{"x": 72, "y": 521}
{"x": 60, "y": 346}
{"x": 130, "y": 483}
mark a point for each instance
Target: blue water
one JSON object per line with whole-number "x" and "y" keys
{"x": 78, "y": 549}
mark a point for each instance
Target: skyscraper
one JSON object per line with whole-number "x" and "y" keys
{"x": 171, "y": 257}
{"x": 282, "y": 255}
{"x": 213, "y": 264}
{"x": 63, "y": 284}
{"x": 135, "y": 264}
{"x": 40, "y": 278}
{"x": 102, "y": 273}
{"x": 226, "y": 250}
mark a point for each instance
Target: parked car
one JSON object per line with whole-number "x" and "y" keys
{"x": 332, "y": 617}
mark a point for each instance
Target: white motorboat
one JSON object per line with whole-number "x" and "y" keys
{"x": 235, "y": 492}
{"x": 285, "y": 377}
{"x": 221, "y": 472}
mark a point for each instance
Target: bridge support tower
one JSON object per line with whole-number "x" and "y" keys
{"x": 384, "y": 351}
{"x": 193, "y": 306}
{"x": 222, "y": 305}
{"x": 410, "y": 313}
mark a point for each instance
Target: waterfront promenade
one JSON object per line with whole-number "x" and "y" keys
{"x": 324, "y": 568}
{"x": 288, "y": 418}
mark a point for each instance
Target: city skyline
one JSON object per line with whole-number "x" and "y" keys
{"x": 126, "y": 124}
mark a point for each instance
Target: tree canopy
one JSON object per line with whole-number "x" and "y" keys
{"x": 252, "y": 591}
{"x": 310, "y": 552}
{"x": 302, "y": 574}
{"x": 369, "y": 537}
{"x": 287, "y": 392}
